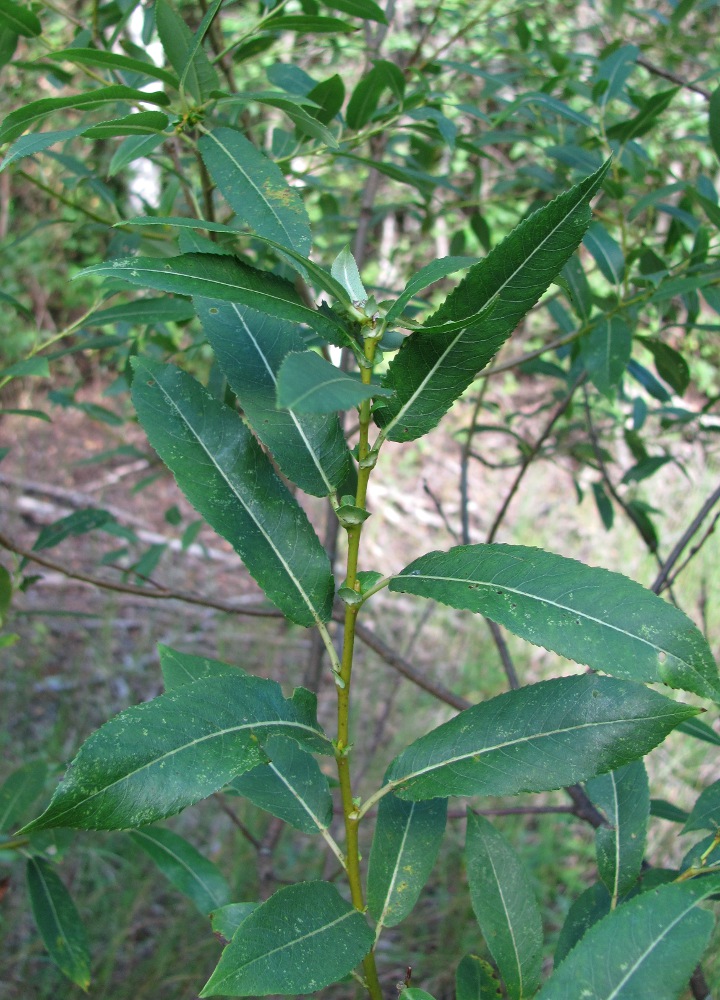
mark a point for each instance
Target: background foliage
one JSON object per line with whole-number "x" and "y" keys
{"x": 416, "y": 134}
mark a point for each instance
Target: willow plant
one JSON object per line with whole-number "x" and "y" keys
{"x": 218, "y": 728}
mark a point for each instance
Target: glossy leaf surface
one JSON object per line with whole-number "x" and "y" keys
{"x": 647, "y": 947}
{"x": 705, "y": 814}
{"x": 225, "y": 278}
{"x": 226, "y": 920}
{"x": 183, "y": 865}
{"x": 179, "y": 669}
{"x": 588, "y": 614}
{"x": 505, "y": 907}
{"x": 255, "y": 188}
{"x": 290, "y": 785}
{"x": 179, "y": 44}
{"x": 227, "y": 478}
{"x": 308, "y": 383}
{"x": 623, "y": 797}
{"x": 590, "y": 906}
{"x": 250, "y": 348}
{"x": 474, "y": 980}
{"x": 302, "y": 939}
{"x": 537, "y": 738}
{"x": 606, "y": 352}
{"x": 155, "y": 759}
{"x": 427, "y": 276}
{"x": 405, "y": 845}
{"x": 434, "y": 367}
{"x": 58, "y": 921}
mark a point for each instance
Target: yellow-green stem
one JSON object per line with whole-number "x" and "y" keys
{"x": 350, "y": 812}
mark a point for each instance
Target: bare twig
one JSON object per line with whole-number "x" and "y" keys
{"x": 667, "y": 565}
{"x": 531, "y": 456}
{"x": 236, "y": 821}
{"x": 667, "y": 74}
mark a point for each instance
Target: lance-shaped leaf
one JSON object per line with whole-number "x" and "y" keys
{"x": 290, "y": 785}
{"x": 19, "y": 791}
{"x": 590, "y": 906}
{"x": 226, "y": 476}
{"x": 308, "y": 383}
{"x": 222, "y": 277}
{"x": 433, "y": 367}
{"x": 250, "y": 349}
{"x": 19, "y": 121}
{"x": 19, "y": 19}
{"x": 155, "y": 759}
{"x": 405, "y": 844}
{"x": 188, "y": 870}
{"x": 255, "y": 188}
{"x": 505, "y": 907}
{"x": 623, "y": 796}
{"x": 226, "y": 920}
{"x": 705, "y": 814}
{"x": 58, "y": 921}
{"x": 606, "y": 351}
{"x": 647, "y": 947}
{"x": 186, "y": 58}
{"x": 179, "y": 669}
{"x": 537, "y": 738}
{"x": 345, "y": 271}
{"x": 588, "y": 614}
{"x": 426, "y": 276}
{"x": 302, "y": 939}
{"x": 474, "y": 980}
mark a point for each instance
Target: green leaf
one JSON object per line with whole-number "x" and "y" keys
{"x": 185, "y": 58}
{"x": 666, "y": 810}
{"x": 555, "y": 733}
{"x": 648, "y": 947}
{"x": 404, "y": 848}
{"x": 225, "y": 278}
{"x": 6, "y": 592}
{"x": 671, "y": 366}
{"x": 474, "y": 980}
{"x": 195, "y": 56}
{"x": 591, "y": 906}
{"x": 19, "y": 791}
{"x": 645, "y": 119}
{"x": 58, "y": 922}
{"x": 226, "y": 920}
{"x": 345, "y": 271}
{"x": 235, "y": 489}
{"x": 144, "y": 312}
{"x": 19, "y": 19}
{"x": 154, "y": 759}
{"x": 308, "y": 383}
{"x": 433, "y": 368}
{"x": 19, "y": 121}
{"x": 613, "y": 72}
{"x": 574, "y": 280}
{"x": 592, "y": 616}
{"x": 705, "y": 814}
{"x": 77, "y": 523}
{"x": 606, "y": 352}
{"x": 701, "y": 731}
{"x": 309, "y": 24}
{"x": 131, "y": 149}
{"x": 427, "y": 276}
{"x": 290, "y": 785}
{"x": 606, "y": 252}
{"x": 179, "y": 669}
{"x": 35, "y": 366}
{"x": 329, "y": 95}
{"x": 188, "y": 870}
{"x": 623, "y": 797}
{"x": 142, "y": 123}
{"x": 303, "y": 938}
{"x": 413, "y": 994}
{"x": 714, "y": 121}
{"x": 255, "y": 188}
{"x": 505, "y": 907}
{"x": 250, "y": 347}
{"x": 366, "y": 95}
{"x": 368, "y": 10}
{"x": 36, "y": 142}
{"x": 604, "y": 506}
{"x": 114, "y": 60}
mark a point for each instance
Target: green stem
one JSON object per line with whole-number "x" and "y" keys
{"x": 343, "y": 745}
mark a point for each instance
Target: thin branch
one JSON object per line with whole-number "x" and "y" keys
{"x": 667, "y": 74}
{"x": 531, "y": 456}
{"x": 236, "y": 821}
{"x": 682, "y": 543}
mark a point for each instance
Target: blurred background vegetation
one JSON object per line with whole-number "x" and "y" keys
{"x": 451, "y": 122}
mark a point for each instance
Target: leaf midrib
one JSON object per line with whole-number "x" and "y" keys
{"x": 183, "y": 864}
{"x": 393, "y": 879}
{"x": 493, "y": 297}
{"x": 250, "y": 512}
{"x": 516, "y": 742}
